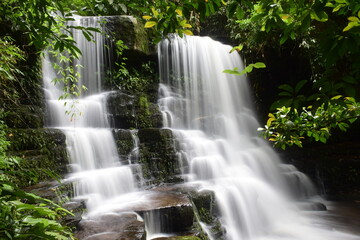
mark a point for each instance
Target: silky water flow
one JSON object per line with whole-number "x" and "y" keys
{"x": 95, "y": 165}
{"x": 211, "y": 115}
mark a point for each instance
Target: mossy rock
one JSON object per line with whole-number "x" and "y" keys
{"x": 158, "y": 156}
{"x": 178, "y": 238}
{"x": 131, "y": 31}
{"x": 124, "y": 142}
{"x": 204, "y": 201}
{"x": 40, "y": 150}
{"x": 120, "y": 107}
{"x": 25, "y": 117}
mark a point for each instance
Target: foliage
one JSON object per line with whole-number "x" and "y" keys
{"x": 132, "y": 79}
{"x": 247, "y": 69}
{"x": 99, "y": 7}
{"x": 290, "y": 96}
{"x": 25, "y": 215}
{"x": 178, "y": 16}
{"x": 288, "y": 126}
{"x": 10, "y": 55}
{"x": 328, "y": 34}
{"x": 45, "y": 24}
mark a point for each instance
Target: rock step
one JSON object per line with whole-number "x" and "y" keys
{"x": 170, "y": 212}
{"x": 114, "y": 226}
{"x": 178, "y": 238}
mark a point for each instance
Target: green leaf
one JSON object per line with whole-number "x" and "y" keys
{"x": 336, "y": 97}
{"x": 188, "y": 32}
{"x": 235, "y": 71}
{"x": 337, "y": 8}
{"x": 150, "y": 24}
{"x": 286, "y": 87}
{"x": 179, "y": 12}
{"x": 353, "y": 19}
{"x": 285, "y": 94}
{"x": 147, "y": 17}
{"x": 299, "y": 86}
{"x": 341, "y": 1}
{"x": 350, "y": 79}
{"x": 320, "y": 16}
{"x": 280, "y": 103}
{"x": 259, "y": 65}
{"x": 284, "y": 38}
{"x": 350, "y": 26}
{"x": 237, "y": 48}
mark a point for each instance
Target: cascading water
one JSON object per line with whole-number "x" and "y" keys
{"x": 210, "y": 113}
{"x": 96, "y": 170}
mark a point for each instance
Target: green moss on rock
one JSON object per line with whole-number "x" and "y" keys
{"x": 124, "y": 142}
{"x": 40, "y": 150}
{"x": 158, "y": 155}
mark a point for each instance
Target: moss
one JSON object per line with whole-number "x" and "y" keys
{"x": 124, "y": 142}
{"x": 181, "y": 238}
{"x": 158, "y": 155}
{"x": 25, "y": 117}
{"x": 147, "y": 114}
{"x": 42, "y": 153}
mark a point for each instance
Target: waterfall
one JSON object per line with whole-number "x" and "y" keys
{"x": 96, "y": 170}
{"x": 211, "y": 115}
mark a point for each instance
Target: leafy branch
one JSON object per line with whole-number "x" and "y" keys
{"x": 288, "y": 126}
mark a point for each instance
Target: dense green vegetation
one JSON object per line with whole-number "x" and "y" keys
{"x": 323, "y": 33}
{"x": 27, "y": 27}
{"x": 326, "y": 34}
{"x": 24, "y": 215}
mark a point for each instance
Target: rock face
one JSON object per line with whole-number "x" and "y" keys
{"x": 158, "y": 155}
{"x": 130, "y": 31}
{"x": 25, "y": 116}
{"x": 131, "y": 111}
{"x": 40, "y": 149}
{"x": 171, "y": 212}
{"x": 333, "y": 167}
{"x": 125, "y": 143}
{"x": 114, "y": 226}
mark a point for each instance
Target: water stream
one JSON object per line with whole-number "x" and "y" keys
{"x": 211, "y": 114}
{"x": 95, "y": 165}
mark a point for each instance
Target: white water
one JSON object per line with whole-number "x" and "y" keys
{"x": 96, "y": 170}
{"x": 211, "y": 114}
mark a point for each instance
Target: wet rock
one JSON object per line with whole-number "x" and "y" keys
{"x": 25, "y": 116}
{"x": 205, "y": 203}
{"x": 158, "y": 155}
{"x": 178, "y": 238}
{"x": 170, "y": 212}
{"x": 124, "y": 142}
{"x": 312, "y": 206}
{"x": 114, "y": 226}
{"x": 121, "y": 110}
{"x": 77, "y": 208}
{"x": 39, "y": 149}
{"x": 333, "y": 167}
{"x": 127, "y": 111}
{"x": 45, "y": 190}
{"x": 131, "y": 31}
{"x": 204, "y": 206}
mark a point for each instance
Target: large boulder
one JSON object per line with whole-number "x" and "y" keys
{"x": 127, "y": 111}
{"x": 112, "y": 226}
{"x": 131, "y": 31}
{"x": 125, "y": 143}
{"x": 158, "y": 155}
